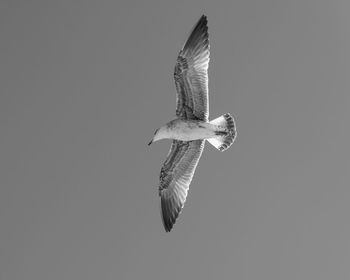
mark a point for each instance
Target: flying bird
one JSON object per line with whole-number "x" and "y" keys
{"x": 191, "y": 127}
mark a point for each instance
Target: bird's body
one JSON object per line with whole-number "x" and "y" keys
{"x": 188, "y": 130}
{"x": 192, "y": 127}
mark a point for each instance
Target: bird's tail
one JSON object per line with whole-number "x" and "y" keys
{"x": 226, "y": 132}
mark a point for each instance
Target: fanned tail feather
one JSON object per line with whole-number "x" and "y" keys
{"x": 226, "y": 133}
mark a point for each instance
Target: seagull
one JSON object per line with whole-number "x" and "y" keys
{"x": 191, "y": 127}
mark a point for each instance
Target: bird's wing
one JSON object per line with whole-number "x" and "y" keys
{"x": 191, "y": 74}
{"x": 176, "y": 176}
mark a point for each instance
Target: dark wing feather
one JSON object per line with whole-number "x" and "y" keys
{"x": 191, "y": 74}
{"x": 176, "y": 176}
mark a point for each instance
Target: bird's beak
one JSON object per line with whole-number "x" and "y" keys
{"x": 150, "y": 142}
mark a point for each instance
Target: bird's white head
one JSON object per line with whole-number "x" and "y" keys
{"x": 160, "y": 133}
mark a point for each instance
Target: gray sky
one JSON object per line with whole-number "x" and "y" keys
{"x": 83, "y": 86}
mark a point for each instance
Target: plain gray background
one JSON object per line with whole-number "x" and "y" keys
{"x": 83, "y": 86}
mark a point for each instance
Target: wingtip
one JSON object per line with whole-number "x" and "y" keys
{"x": 166, "y": 223}
{"x": 198, "y": 39}
{"x": 169, "y": 213}
{"x": 203, "y": 20}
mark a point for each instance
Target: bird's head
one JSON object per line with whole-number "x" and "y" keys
{"x": 160, "y": 133}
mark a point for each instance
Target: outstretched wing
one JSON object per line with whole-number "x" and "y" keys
{"x": 176, "y": 176}
{"x": 191, "y": 74}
